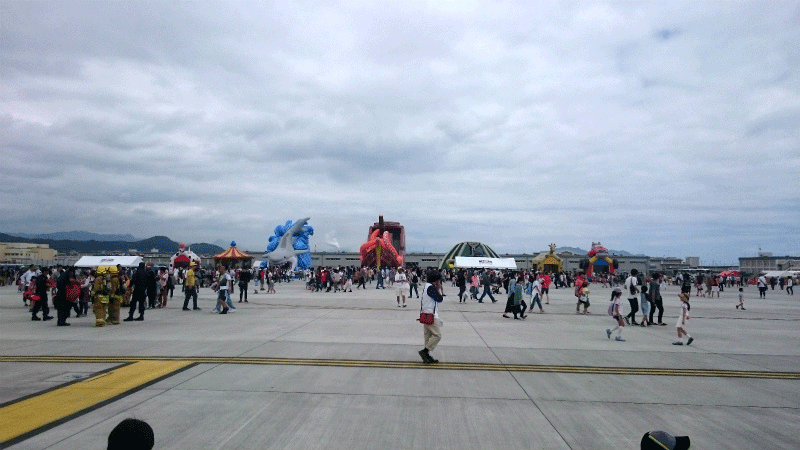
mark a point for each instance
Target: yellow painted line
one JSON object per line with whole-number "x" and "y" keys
{"x": 418, "y": 365}
{"x": 31, "y": 414}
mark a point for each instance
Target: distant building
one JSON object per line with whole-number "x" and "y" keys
{"x": 24, "y": 253}
{"x": 766, "y": 262}
{"x": 693, "y": 261}
{"x": 667, "y": 265}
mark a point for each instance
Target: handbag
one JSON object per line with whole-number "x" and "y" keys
{"x": 426, "y": 318}
{"x": 72, "y": 292}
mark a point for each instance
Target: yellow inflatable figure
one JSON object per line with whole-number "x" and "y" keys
{"x": 114, "y": 295}
{"x": 100, "y": 297}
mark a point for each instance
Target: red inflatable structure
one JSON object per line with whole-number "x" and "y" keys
{"x": 598, "y": 252}
{"x": 385, "y": 246}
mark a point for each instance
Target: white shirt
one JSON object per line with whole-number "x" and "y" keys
{"x": 26, "y": 277}
{"x": 536, "y": 289}
{"x": 401, "y": 279}
{"x": 619, "y": 306}
{"x": 429, "y": 305}
{"x": 631, "y": 281}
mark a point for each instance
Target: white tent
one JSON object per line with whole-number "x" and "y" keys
{"x": 781, "y": 273}
{"x": 485, "y": 263}
{"x": 94, "y": 261}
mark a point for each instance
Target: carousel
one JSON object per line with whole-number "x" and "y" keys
{"x": 233, "y": 257}
{"x": 183, "y": 258}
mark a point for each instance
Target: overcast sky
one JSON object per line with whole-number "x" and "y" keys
{"x": 664, "y": 128}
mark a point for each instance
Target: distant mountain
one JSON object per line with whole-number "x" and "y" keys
{"x": 79, "y": 236}
{"x": 575, "y": 250}
{"x": 206, "y": 249}
{"x": 162, "y": 244}
{"x": 581, "y": 251}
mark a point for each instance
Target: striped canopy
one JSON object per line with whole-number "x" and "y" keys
{"x": 233, "y": 253}
{"x": 468, "y": 249}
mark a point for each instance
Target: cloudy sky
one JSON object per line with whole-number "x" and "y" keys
{"x": 663, "y": 128}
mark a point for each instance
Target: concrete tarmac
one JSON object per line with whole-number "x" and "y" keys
{"x": 301, "y": 369}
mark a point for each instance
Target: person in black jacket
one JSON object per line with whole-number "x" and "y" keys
{"x": 139, "y": 290}
{"x": 244, "y": 279}
{"x": 60, "y": 300}
{"x": 41, "y": 290}
{"x": 151, "y": 286}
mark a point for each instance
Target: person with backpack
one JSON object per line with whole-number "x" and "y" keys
{"x": 615, "y": 311}
{"x": 632, "y": 285}
{"x": 413, "y": 285}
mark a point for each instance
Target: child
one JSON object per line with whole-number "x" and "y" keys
{"x": 584, "y": 300}
{"x": 741, "y": 299}
{"x": 645, "y": 302}
{"x": 616, "y": 313}
{"x": 681, "y": 325}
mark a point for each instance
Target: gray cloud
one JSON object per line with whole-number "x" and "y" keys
{"x": 663, "y": 129}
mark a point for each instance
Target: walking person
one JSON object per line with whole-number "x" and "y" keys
{"x": 60, "y": 302}
{"x": 461, "y": 283}
{"x": 789, "y": 284}
{"x": 632, "y": 285}
{"x": 163, "y": 276}
{"x": 519, "y": 298}
{"x": 654, "y": 294}
{"x": 139, "y": 291}
{"x": 741, "y": 299}
{"x": 615, "y": 311}
{"x": 714, "y": 287}
{"x": 152, "y": 286}
{"x": 401, "y": 281}
{"x": 413, "y": 284}
{"x": 644, "y": 301}
{"x": 348, "y": 281}
{"x": 379, "y": 284}
{"x": 362, "y": 278}
{"x": 536, "y": 294}
{"x": 584, "y": 300}
{"x": 762, "y": 286}
{"x": 222, "y": 293}
{"x": 244, "y": 281}
{"x": 431, "y": 332}
{"x": 580, "y": 282}
{"x": 681, "y": 325}
{"x": 546, "y": 280}
{"x": 39, "y": 284}
{"x": 190, "y": 288}
{"x": 512, "y": 304}
{"x": 170, "y": 283}
{"x": 486, "y": 280}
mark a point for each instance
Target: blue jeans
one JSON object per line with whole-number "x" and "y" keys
{"x": 535, "y": 300}
{"x": 227, "y": 301}
{"x": 487, "y": 289}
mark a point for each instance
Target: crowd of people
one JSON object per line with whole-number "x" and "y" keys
{"x": 145, "y": 287}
